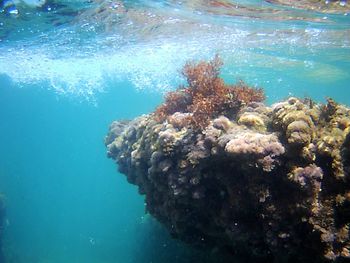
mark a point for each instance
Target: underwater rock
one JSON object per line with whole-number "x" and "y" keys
{"x": 275, "y": 191}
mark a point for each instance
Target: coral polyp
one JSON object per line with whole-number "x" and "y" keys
{"x": 222, "y": 170}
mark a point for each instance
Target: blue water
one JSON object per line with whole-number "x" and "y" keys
{"x": 62, "y": 83}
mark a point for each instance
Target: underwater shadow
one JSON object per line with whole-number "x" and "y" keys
{"x": 156, "y": 245}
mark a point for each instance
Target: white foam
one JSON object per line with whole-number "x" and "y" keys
{"x": 78, "y": 76}
{"x": 76, "y": 70}
{"x": 151, "y": 67}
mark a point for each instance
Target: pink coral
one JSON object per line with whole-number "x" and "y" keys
{"x": 263, "y": 148}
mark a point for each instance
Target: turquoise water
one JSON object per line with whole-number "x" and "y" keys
{"x": 68, "y": 70}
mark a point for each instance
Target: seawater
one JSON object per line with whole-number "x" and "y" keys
{"x": 64, "y": 76}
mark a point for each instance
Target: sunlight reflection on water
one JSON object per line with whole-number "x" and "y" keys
{"x": 147, "y": 43}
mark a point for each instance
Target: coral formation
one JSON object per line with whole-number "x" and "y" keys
{"x": 263, "y": 184}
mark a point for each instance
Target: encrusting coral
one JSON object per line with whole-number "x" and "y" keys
{"x": 222, "y": 170}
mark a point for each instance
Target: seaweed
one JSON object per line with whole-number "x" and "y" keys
{"x": 207, "y": 96}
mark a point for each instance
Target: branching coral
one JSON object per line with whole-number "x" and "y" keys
{"x": 266, "y": 184}
{"x": 207, "y": 96}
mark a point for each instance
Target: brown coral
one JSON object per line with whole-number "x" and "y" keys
{"x": 297, "y": 120}
{"x": 332, "y": 136}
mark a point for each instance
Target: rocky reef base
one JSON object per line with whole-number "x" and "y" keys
{"x": 260, "y": 183}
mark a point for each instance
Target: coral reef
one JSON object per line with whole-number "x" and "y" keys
{"x": 260, "y": 183}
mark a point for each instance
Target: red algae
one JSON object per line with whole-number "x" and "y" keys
{"x": 207, "y": 96}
